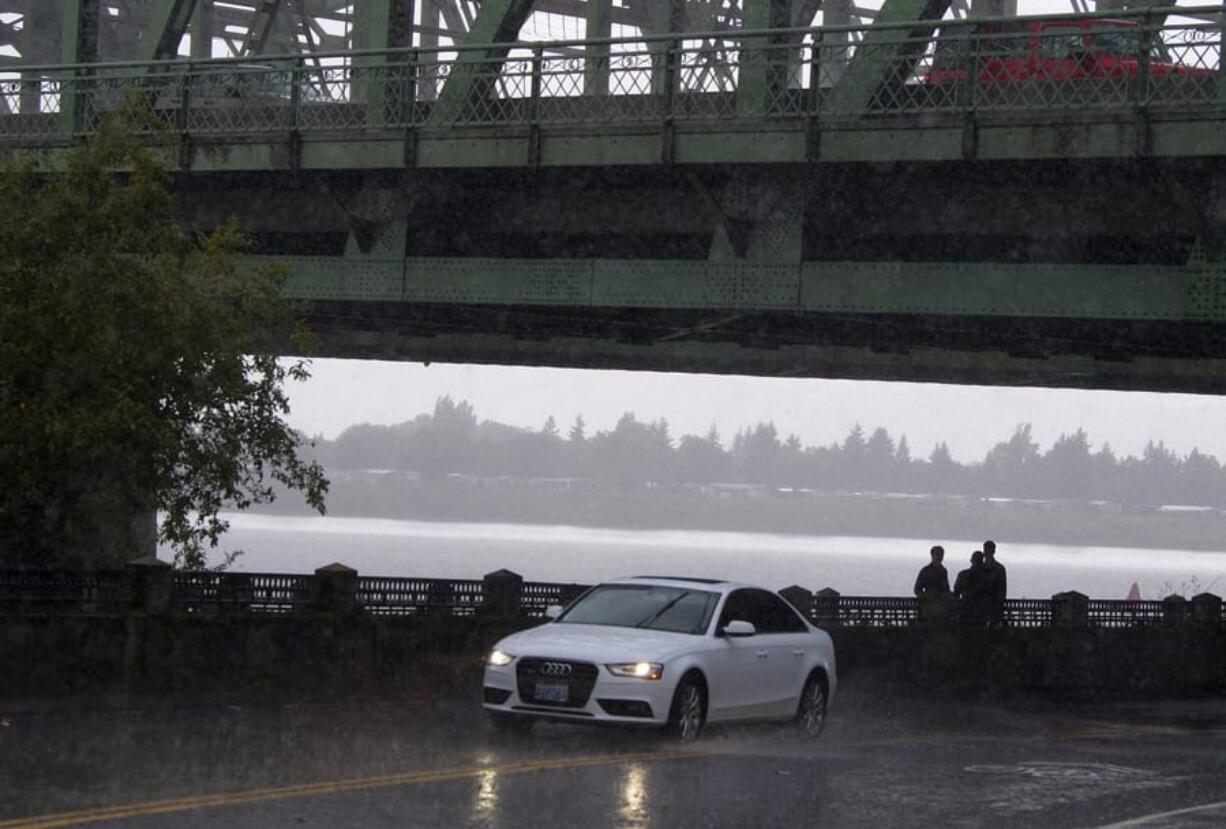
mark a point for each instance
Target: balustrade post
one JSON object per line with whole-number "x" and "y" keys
{"x": 813, "y": 104}
{"x": 826, "y": 607}
{"x": 183, "y": 117}
{"x": 1207, "y": 610}
{"x": 336, "y": 589}
{"x": 799, "y": 598}
{"x": 534, "y": 109}
{"x": 409, "y": 99}
{"x": 1141, "y": 87}
{"x": 152, "y": 585}
{"x": 1221, "y": 62}
{"x": 297, "y": 75}
{"x": 1070, "y": 611}
{"x": 1175, "y": 610}
{"x": 501, "y": 590}
{"x": 671, "y": 58}
{"x": 970, "y": 96}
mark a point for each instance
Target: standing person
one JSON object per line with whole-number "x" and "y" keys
{"x": 996, "y": 585}
{"x": 932, "y": 587}
{"x": 968, "y": 590}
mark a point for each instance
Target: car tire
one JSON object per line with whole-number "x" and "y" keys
{"x": 811, "y": 710}
{"x": 511, "y": 724}
{"x": 688, "y": 712}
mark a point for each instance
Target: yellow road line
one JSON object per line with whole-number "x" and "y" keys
{"x": 76, "y": 818}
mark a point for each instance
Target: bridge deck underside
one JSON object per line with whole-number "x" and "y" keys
{"x": 1163, "y": 357}
{"x": 1094, "y": 274}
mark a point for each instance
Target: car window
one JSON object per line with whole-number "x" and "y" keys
{"x": 775, "y": 614}
{"x": 1114, "y": 39}
{"x": 739, "y": 607}
{"x": 1008, "y": 39}
{"x": 1062, "y": 41}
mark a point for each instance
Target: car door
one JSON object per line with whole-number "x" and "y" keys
{"x": 785, "y": 637}
{"x": 739, "y": 665}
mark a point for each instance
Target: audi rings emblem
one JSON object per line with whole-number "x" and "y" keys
{"x": 555, "y": 669}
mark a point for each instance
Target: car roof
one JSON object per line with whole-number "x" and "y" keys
{"x": 714, "y": 585}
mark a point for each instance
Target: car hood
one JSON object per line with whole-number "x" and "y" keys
{"x": 598, "y": 643}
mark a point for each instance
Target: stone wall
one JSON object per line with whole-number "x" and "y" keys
{"x": 983, "y": 663}
{"x": 137, "y": 638}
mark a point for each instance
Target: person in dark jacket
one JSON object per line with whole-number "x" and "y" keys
{"x": 932, "y": 587}
{"x": 995, "y": 586}
{"x": 968, "y": 589}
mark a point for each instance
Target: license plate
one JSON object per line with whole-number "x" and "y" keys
{"x": 552, "y": 692}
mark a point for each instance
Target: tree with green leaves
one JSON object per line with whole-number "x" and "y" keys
{"x": 139, "y": 367}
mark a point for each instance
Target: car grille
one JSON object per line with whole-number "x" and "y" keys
{"x": 495, "y": 696}
{"x": 581, "y": 679}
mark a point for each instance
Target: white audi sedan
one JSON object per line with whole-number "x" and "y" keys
{"x": 671, "y": 652}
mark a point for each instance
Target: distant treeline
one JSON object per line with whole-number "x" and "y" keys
{"x": 451, "y": 440}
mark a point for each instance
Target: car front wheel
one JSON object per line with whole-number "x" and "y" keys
{"x": 811, "y": 711}
{"x": 688, "y": 711}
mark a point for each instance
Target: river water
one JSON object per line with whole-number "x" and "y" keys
{"x": 853, "y": 566}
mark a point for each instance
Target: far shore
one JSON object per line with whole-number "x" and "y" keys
{"x": 969, "y": 520}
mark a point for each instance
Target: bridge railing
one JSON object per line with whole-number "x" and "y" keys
{"x": 211, "y": 593}
{"x": 1134, "y": 61}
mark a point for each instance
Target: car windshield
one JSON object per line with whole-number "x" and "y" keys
{"x": 653, "y": 607}
{"x": 1062, "y": 41}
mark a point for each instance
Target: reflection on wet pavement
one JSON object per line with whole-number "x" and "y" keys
{"x": 634, "y": 811}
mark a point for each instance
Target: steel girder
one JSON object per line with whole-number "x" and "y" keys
{"x": 880, "y": 62}
{"x": 1141, "y": 293}
{"x": 167, "y": 25}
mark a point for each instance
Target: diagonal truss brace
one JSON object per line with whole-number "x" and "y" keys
{"x": 473, "y": 72}
{"x": 167, "y": 24}
{"x": 258, "y": 32}
{"x": 886, "y": 56}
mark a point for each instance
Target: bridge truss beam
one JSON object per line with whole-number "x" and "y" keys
{"x": 31, "y": 30}
{"x": 167, "y": 25}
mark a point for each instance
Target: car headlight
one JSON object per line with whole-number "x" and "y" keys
{"x": 638, "y": 670}
{"x": 498, "y": 659}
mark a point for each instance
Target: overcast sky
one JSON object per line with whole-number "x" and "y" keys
{"x": 969, "y": 418}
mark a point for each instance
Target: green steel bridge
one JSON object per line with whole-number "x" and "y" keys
{"x": 777, "y": 187}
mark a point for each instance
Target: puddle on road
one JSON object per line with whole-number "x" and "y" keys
{"x": 1038, "y": 784}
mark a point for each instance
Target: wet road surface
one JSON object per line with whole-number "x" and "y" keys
{"x": 408, "y": 763}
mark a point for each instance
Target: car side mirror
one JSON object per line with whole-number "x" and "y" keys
{"x": 738, "y": 628}
{"x": 553, "y": 611}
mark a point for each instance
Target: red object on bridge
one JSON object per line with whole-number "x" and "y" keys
{"x": 1052, "y": 50}
{"x": 1134, "y": 594}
